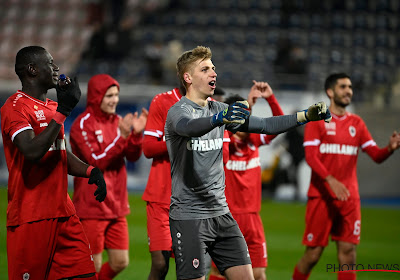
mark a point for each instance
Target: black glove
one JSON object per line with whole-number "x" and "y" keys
{"x": 96, "y": 177}
{"x": 68, "y": 96}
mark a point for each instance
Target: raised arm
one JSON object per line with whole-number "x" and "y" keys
{"x": 34, "y": 147}
{"x": 279, "y": 124}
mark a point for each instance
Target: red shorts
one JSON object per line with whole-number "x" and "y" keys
{"x": 158, "y": 232}
{"x": 340, "y": 219}
{"x": 252, "y": 228}
{"x": 48, "y": 249}
{"x": 109, "y": 234}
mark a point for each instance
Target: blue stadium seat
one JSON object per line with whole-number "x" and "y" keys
{"x": 360, "y": 21}
{"x": 316, "y": 21}
{"x": 336, "y": 56}
{"x": 257, "y": 20}
{"x": 254, "y": 55}
{"x": 382, "y": 5}
{"x": 232, "y": 54}
{"x": 381, "y": 57}
{"x": 315, "y": 56}
{"x": 274, "y": 19}
{"x": 358, "y": 57}
{"x": 382, "y": 40}
{"x": 337, "y": 21}
{"x": 234, "y": 36}
{"x": 270, "y": 54}
{"x": 381, "y": 22}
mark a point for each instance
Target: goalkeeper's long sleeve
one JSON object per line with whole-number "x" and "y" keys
{"x": 272, "y": 125}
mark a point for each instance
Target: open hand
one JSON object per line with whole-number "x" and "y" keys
{"x": 139, "y": 121}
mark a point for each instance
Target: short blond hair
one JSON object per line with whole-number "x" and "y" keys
{"x": 186, "y": 60}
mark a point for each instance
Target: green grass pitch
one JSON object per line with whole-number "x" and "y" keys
{"x": 284, "y": 225}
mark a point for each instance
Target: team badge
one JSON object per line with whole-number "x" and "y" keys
{"x": 352, "y": 131}
{"x": 26, "y": 276}
{"x": 196, "y": 263}
{"x": 35, "y": 107}
{"x": 310, "y": 237}
{"x": 99, "y": 134}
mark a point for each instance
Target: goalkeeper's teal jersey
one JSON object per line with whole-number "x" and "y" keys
{"x": 198, "y": 179}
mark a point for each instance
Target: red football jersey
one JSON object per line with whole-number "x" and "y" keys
{"x": 158, "y": 187}
{"x": 36, "y": 191}
{"x": 332, "y": 149}
{"x": 243, "y": 170}
{"x": 243, "y": 174}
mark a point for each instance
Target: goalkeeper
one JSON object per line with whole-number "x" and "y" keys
{"x": 200, "y": 220}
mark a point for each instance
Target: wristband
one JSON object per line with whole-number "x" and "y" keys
{"x": 59, "y": 118}
{"x": 89, "y": 170}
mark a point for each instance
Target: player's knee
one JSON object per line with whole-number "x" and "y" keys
{"x": 313, "y": 255}
{"x": 119, "y": 264}
{"x": 259, "y": 273}
{"x": 347, "y": 254}
{"x": 159, "y": 264}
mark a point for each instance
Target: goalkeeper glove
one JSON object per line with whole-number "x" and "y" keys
{"x": 316, "y": 112}
{"x": 235, "y": 113}
{"x": 68, "y": 96}
{"x": 96, "y": 177}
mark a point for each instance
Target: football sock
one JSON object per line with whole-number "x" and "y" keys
{"x": 216, "y": 277}
{"x": 347, "y": 276}
{"x": 297, "y": 275}
{"x": 106, "y": 273}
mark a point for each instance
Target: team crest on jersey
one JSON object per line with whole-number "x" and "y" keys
{"x": 40, "y": 115}
{"x": 26, "y": 276}
{"x": 352, "y": 131}
{"x": 310, "y": 237}
{"x": 196, "y": 263}
{"x": 99, "y": 135}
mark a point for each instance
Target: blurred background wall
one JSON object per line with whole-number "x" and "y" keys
{"x": 292, "y": 44}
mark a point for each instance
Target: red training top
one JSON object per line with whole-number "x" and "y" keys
{"x": 95, "y": 139}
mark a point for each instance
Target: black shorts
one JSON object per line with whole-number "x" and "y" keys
{"x": 219, "y": 236}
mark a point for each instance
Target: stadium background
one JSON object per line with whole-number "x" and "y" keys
{"x": 292, "y": 44}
